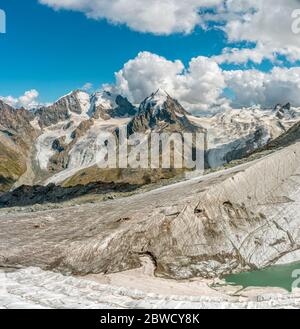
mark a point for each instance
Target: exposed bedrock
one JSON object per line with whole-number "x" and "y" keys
{"x": 239, "y": 219}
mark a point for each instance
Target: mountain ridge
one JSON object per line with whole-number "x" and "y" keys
{"x": 58, "y": 143}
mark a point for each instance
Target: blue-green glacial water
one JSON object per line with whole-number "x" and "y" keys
{"x": 280, "y": 276}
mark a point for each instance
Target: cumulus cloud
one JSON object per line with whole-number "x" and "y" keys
{"x": 240, "y": 56}
{"x": 198, "y": 87}
{"x": 252, "y": 87}
{"x": 141, "y": 15}
{"x": 142, "y": 75}
{"x": 28, "y": 100}
{"x": 201, "y": 86}
{"x": 267, "y": 24}
{"x": 87, "y": 86}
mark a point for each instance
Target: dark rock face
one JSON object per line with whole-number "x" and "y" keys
{"x": 290, "y": 137}
{"x": 121, "y": 108}
{"x": 51, "y": 115}
{"x": 167, "y": 116}
{"x": 251, "y": 145}
{"x": 59, "y": 111}
{"x": 284, "y": 111}
{"x": 58, "y": 145}
{"x": 82, "y": 129}
{"x": 30, "y": 195}
{"x": 125, "y": 108}
{"x": 16, "y": 122}
{"x": 60, "y": 160}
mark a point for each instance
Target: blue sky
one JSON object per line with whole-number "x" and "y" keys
{"x": 55, "y": 51}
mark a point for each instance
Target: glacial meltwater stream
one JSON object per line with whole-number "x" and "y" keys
{"x": 280, "y": 276}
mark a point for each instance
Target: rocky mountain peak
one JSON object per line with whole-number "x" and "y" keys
{"x": 107, "y": 105}
{"x": 4, "y": 106}
{"x": 75, "y": 103}
{"x": 161, "y": 104}
{"x": 159, "y": 96}
{"x": 16, "y": 121}
{"x": 155, "y": 101}
{"x": 280, "y": 106}
{"x": 160, "y": 112}
{"x": 284, "y": 111}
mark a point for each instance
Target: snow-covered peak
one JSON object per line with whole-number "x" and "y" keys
{"x": 78, "y": 94}
{"x": 286, "y": 112}
{"x": 76, "y": 102}
{"x": 159, "y": 97}
{"x": 65, "y": 96}
{"x": 69, "y": 95}
{"x": 106, "y": 105}
{"x": 105, "y": 99}
{"x": 155, "y": 101}
{"x": 160, "y": 94}
{"x": 4, "y": 104}
{"x": 84, "y": 101}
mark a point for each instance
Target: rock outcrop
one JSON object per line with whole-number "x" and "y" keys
{"x": 76, "y": 102}
{"x": 106, "y": 105}
{"x": 31, "y": 195}
{"x": 161, "y": 113}
{"x": 17, "y": 136}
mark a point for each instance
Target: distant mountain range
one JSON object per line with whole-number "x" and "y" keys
{"x": 57, "y": 143}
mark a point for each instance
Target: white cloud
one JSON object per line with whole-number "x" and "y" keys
{"x": 87, "y": 86}
{"x": 247, "y": 86}
{"x": 267, "y": 24}
{"x": 240, "y": 56}
{"x": 251, "y": 87}
{"x": 198, "y": 87}
{"x": 147, "y": 72}
{"x": 28, "y": 100}
{"x": 201, "y": 85}
{"x": 155, "y": 16}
